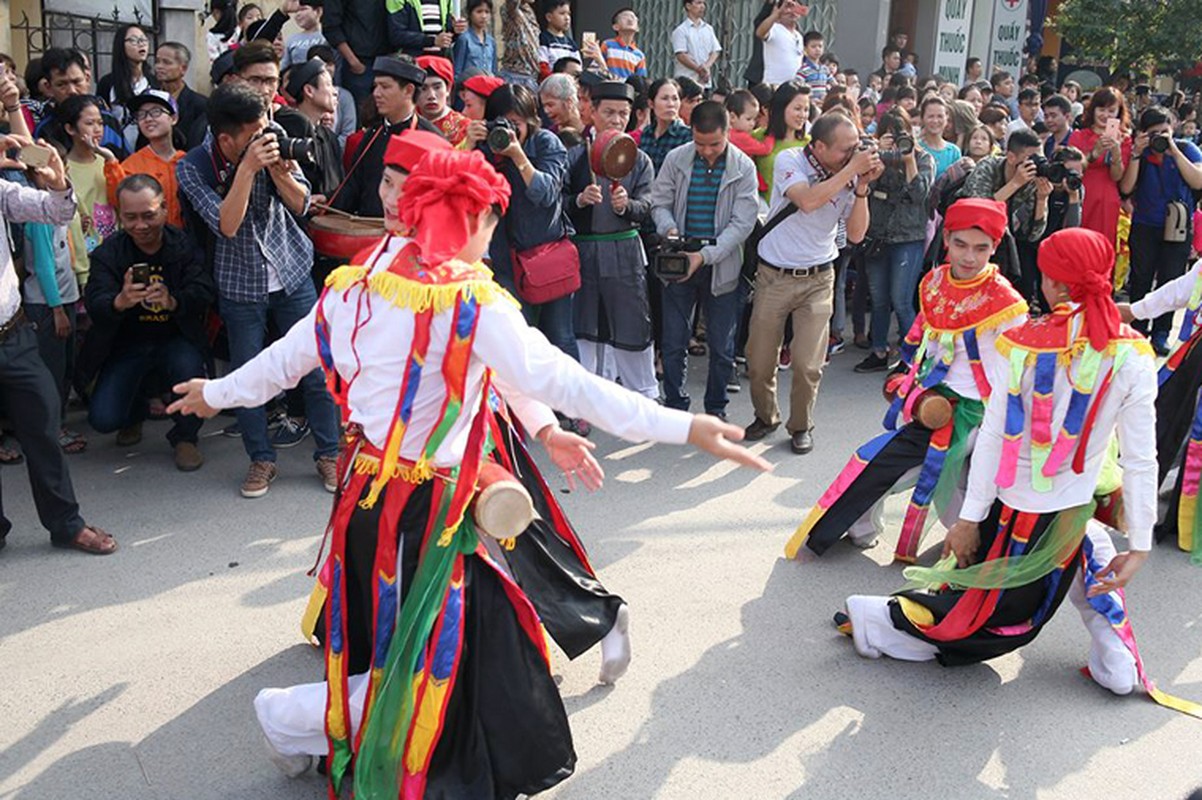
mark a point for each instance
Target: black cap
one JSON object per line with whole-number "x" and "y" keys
{"x": 222, "y": 65}
{"x": 302, "y": 75}
{"x": 400, "y": 69}
{"x": 152, "y": 97}
{"x": 613, "y": 90}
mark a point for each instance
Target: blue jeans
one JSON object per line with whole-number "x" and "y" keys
{"x": 554, "y": 319}
{"x": 680, "y": 300}
{"x": 359, "y": 86}
{"x": 246, "y": 325}
{"x": 118, "y": 400}
{"x": 892, "y": 278}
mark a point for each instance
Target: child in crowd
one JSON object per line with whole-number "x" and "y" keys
{"x": 296, "y": 47}
{"x": 812, "y": 71}
{"x": 744, "y": 112}
{"x": 82, "y": 128}
{"x": 476, "y": 48}
{"x": 622, "y": 57}
{"x": 556, "y": 41}
{"x": 156, "y": 115}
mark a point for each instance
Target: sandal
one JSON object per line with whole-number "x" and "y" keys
{"x": 93, "y": 540}
{"x": 696, "y": 348}
{"x": 71, "y": 442}
{"x": 8, "y": 454}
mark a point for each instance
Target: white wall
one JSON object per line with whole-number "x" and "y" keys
{"x": 861, "y": 30}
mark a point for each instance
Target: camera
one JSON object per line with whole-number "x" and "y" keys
{"x": 672, "y": 255}
{"x": 1056, "y": 172}
{"x": 903, "y": 145}
{"x": 866, "y": 143}
{"x": 501, "y": 134}
{"x": 1159, "y": 143}
{"x": 291, "y": 149}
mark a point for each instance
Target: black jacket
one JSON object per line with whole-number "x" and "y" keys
{"x": 193, "y": 116}
{"x": 363, "y": 24}
{"x": 405, "y": 31}
{"x": 361, "y": 192}
{"x": 184, "y": 273}
{"x": 324, "y": 171}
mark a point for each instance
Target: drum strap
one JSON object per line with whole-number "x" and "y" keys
{"x": 362, "y": 153}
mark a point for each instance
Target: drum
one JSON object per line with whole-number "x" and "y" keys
{"x": 503, "y": 508}
{"x": 932, "y": 410}
{"x": 613, "y": 155}
{"x": 343, "y": 238}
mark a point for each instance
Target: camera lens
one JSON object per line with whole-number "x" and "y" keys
{"x": 1159, "y": 143}
{"x": 499, "y": 138}
{"x": 296, "y": 149}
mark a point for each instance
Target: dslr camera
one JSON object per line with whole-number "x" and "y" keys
{"x": 1056, "y": 172}
{"x": 1159, "y": 143}
{"x": 671, "y": 260}
{"x": 903, "y": 145}
{"x": 501, "y": 134}
{"x": 291, "y": 149}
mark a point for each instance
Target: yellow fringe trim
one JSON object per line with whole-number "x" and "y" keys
{"x": 417, "y": 473}
{"x": 1005, "y": 315}
{"x": 1065, "y": 356}
{"x": 416, "y": 296}
{"x": 509, "y": 543}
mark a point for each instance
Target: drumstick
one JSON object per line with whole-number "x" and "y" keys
{"x": 336, "y": 211}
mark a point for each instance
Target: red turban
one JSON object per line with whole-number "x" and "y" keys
{"x": 977, "y": 212}
{"x": 1083, "y": 260}
{"x": 483, "y": 85}
{"x": 445, "y": 190}
{"x": 407, "y": 148}
{"x": 437, "y": 65}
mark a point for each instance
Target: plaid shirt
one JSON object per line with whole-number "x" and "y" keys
{"x": 677, "y": 134}
{"x": 269, "y": 234}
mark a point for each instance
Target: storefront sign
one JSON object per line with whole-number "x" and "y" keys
{"x": 951, "y": 39}
{"x": 1009, "y": 32}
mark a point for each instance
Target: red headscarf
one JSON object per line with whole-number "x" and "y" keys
{"x": 977, "y": 212}
{"x": 439, "y": 66}
{"x": 1083, "y": 260}
{"x": 407, "y": 148}
{"x": 483, "y": 85}
{"x": 445, "y": 190}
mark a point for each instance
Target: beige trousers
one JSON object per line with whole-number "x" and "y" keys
{"x": 809, "y": 300}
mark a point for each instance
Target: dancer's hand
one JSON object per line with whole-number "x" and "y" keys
{"x": 962, "y": 539}
{"x": 1125, "y": 313}
{"x": 1118, "y": 573}
{"x": 716, "y": 438}
{"x": 192, "y": 400}
{"x": 573, "y": 455}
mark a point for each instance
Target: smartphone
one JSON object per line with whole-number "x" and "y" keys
{"x": 1114, "y": 128}
{"x": 141, "y": 274}
{"x": 588, "y": 38}
{"x": 34, "y": 155}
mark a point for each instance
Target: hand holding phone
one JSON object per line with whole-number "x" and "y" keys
{"x": 588, "y": 38}
{"x": 1114, "y": 128}
{"x": 34, "y": 155}
{"x": 141, "y": 274}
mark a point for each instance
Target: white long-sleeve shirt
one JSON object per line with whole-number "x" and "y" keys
{"x": 528, "y": 369}
{"x": 959, "y": 376}
{"x": 1166, "y": 299}
{"x": 1129, "y": 407}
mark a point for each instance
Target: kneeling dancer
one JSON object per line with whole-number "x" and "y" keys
{"x": 437, "y": 680}
{"x": 1022, "y": 542}
{"x": 964, "y": 305}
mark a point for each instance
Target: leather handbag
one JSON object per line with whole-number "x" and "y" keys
{"x": 547, "y": 272}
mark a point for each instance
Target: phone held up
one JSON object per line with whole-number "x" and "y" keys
{"x": 141, "y": 274}
{"x": 34, "y": 155}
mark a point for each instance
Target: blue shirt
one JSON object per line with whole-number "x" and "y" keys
{"x": 703, "y": 197}
{"x": 471, "y": 52}
{"x": 944, "y": 158}
{"x": 1161, "y": 184}
{"x": 268, "y": 239}
{"x": 658, "y": 148}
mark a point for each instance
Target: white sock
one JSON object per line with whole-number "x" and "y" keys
{"x": 615, "y": 648}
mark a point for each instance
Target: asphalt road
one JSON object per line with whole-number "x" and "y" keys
{"x": 131, "y": 676}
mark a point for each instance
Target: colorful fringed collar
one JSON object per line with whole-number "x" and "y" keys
{"x": 950, "y": 305}
{"x": 1049, "y": 345}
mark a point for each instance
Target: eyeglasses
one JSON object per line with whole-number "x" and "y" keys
{"x": 137, "y": 40}
{"x": 150, "y": 113}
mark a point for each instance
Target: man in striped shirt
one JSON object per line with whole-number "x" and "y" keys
{"x": 622, "y": 58}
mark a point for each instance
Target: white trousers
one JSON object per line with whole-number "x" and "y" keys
{"x": 635, "y": 368}
{"x": 1110, "y": 662}
{"x": 293, "y": 719}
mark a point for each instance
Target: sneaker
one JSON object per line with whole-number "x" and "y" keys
{"x": 128, "y": 437}
{"x": 834, "y": 346}
{"x": 757, "y": 430}
{"x": 733, "y": 386}
{"x": 233, "y": 430}
{"x": 327, "y": 468}
{"x": 842, "y": 623}
{"x": 188, "y": 457}
{"x": 741, "y": 361}
{"x": 258, "y": 478}
{"x": 873, "y": 363}
{"x": 290, "y": 432}
{"x": 786, "y": 358}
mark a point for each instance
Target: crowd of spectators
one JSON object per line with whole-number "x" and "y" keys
{"x": 806, "y": 204}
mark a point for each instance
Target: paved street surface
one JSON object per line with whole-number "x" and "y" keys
{"x": 131, "y": 677}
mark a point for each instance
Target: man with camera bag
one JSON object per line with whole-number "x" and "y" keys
{"x": 1161, "y": 179}
{"x": 251, "y": 199}
{"x": 612, "y": 309}
{"x": 796, "y": 275}
{"x": 397, "y": 79}
{"x": 705, "y": 192}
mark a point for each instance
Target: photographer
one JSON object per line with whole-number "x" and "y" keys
{"x": 251, "y": 200}
{"x": 612, "y": 309}
{"x": 896, "y": 240}
{"x": 796, "y": 277}
{"x": 1064, "y": 171}
{"x": 705, "y": 190}
{"x": 147, "y": 298}
{"x": 1013, "y": 179}
{"x": 1160, "y": 179}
